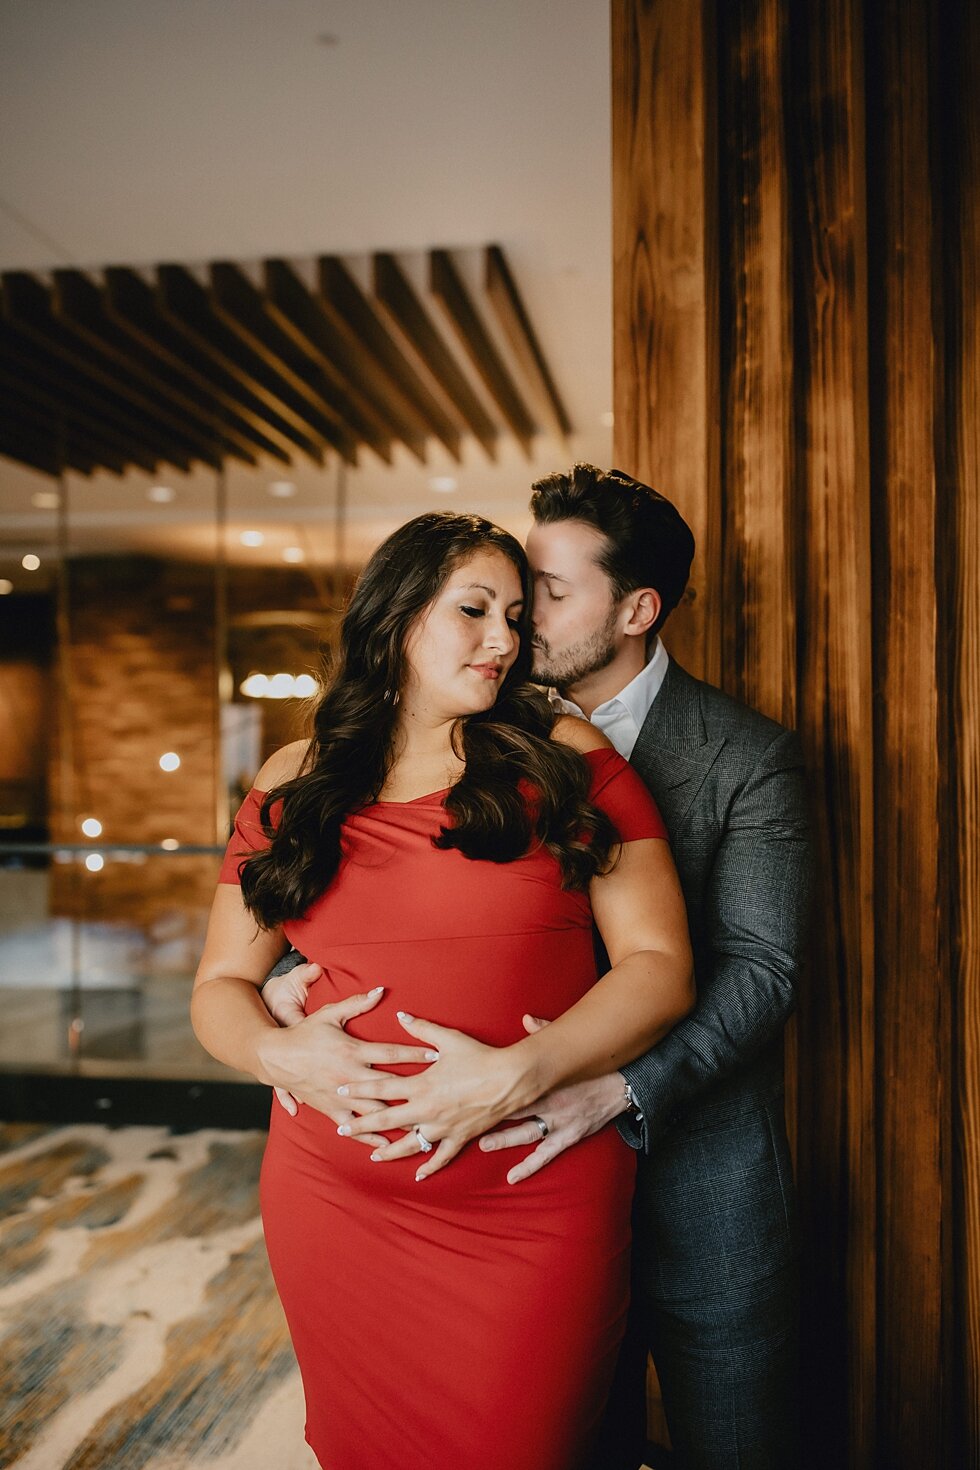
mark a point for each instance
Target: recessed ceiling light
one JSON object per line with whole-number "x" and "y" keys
{"x": 443, "y": 484}
{"x": 607, "y": 419}
{"x": 46, "y": 499}
{"x": 170, "y": 844}
{"x": 95, "y": 862}
{"x": 252, "y": 538}
{"x": 293, "y": 553}
{"x": 282, "y": 489}
{"x": 92, "y": 827}
{"x": 30, "y": 562}
{"x": 6, "y": 586}
{"x": 170, "y": 761}
{"x": 162, "y": 494}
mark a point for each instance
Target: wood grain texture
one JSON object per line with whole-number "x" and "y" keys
{"x": 665, "y": 352}
{"x": 912, "y": 1014}
{"x": 756, "y": 312}
{"x": 961, "y": 529}
{"x": 836, "y": 1148}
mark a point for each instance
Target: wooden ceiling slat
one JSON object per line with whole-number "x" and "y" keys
{"x": 447, "y": 286}
{"x": 26, "y": 304}
{"x": 298, "y": 313}
{"x": 58, "y": 410}
{"x": 79, "y": 303}
{"x": 109, "y": 415}
{"x": 395, "y": 294}
{"x": 41, "y": 454}
{"x": 343, "y": 347}
{"x": 134, "y": 306}
{"x": 184, "y": 303}
{"x": 129, "y": 304}
{"x": 65, "y": 436}
{"x": 240, "y": 305}
{"x": 259, "y": 369}
{"x": 513, "y": 317}
{"x": 343, "y": 298}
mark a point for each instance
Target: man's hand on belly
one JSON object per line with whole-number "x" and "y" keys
{"x": 569, "y": 1113}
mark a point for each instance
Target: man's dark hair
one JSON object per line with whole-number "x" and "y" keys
{"x": 648, "y": 541}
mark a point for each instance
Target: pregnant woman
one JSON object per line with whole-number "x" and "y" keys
{"x": 440, "y": 848}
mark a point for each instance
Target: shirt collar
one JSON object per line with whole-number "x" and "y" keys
{"x": 636, "y": 698}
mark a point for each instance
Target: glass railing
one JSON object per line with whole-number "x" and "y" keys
{"x": 98, "y": 948}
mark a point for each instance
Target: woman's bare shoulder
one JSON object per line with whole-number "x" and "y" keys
{"x": 579, "y": 733}
{"x": 282, "y": 766}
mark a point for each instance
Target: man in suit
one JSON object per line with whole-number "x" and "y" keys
{"x": 715, "y": 1293}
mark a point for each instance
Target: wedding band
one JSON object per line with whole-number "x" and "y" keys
{"x": 424, "y": 1143}
{"x": 545, "y": 1130}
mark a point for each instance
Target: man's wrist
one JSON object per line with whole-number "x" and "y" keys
{"x": 630, "y": 1103}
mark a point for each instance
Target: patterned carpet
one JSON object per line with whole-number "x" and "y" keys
{"x": 138, "y": 1322}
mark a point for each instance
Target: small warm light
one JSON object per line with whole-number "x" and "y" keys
{"x": 607, "y": 419}
{"x": 279, "y": 686}
{"x": 46, "y": 499}
{"x": 95, "y": 862}
{"x": 170, "y": 844}
{"x": 30, "y": 562}
{"x": 92, "y": 827}
{"x": 282, "y": 489}
{"x": 170, "y": 761}
{"x": 293, "y": 553}
{"x": 252, "y": 538}
{"x": 6, "y": 586}
{"x": 161, "y": 494}
{"x": 442, "y": 484}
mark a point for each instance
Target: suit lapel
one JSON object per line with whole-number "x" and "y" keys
{"x": 673, "y": 753}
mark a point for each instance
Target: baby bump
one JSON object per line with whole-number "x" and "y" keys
{"x": 587, "y": 1189}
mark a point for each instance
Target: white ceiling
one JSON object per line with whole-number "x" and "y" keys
{"x": 138, "y": 131}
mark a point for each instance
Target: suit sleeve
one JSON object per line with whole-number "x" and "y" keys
{"x": 754, "y": 928}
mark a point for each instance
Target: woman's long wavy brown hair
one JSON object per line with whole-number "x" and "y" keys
{"x": 507, "y": 749}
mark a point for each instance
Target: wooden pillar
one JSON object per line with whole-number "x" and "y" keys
{"x": 665, "y": 366}
{"x": 912, "y": 1003}
{"x": 836, "y": 1144}
{"x": 959, "y": 833}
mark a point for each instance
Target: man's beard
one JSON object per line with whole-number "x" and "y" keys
{"x": 566, "y": 667}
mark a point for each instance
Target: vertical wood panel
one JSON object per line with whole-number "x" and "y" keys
{"x": 756, "y": 313}
{"x": 912, "y": 1020}
{"x": 961, "y": 528}
{"x": 836, "y": 1137}
{"x": 665, "y": 359}
{"x": 842, "y": 576}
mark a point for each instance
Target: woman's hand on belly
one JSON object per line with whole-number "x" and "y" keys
{"x": 468, "y": 1090}
{"x": 312, "y": 1059}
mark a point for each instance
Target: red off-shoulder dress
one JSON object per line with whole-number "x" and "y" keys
{"x": 460, "y": 1323}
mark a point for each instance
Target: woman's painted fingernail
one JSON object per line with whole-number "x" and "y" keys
{"x": 378, "y": 990}
{"x": 344, "y": 1130}
{"x": 344, "y": 1091}
{"x": 404, "y": 1016}
{"x": 420, "y": 1176}
{"x": 431, "y": 1056}
{"x": 376, "y": 1156}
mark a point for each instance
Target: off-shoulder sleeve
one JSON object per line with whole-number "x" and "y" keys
{"x": 247, "y": 837}
{"x": 622, "y": 795}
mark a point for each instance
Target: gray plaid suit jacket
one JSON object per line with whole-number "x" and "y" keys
{"x": 714, "y": 1189}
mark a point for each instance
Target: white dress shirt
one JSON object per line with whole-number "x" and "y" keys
{"x": 621, "y": 718}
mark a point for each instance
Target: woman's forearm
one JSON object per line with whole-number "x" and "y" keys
{"x": 625, "y": 1013}
{"x": 230, "y": 1021}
